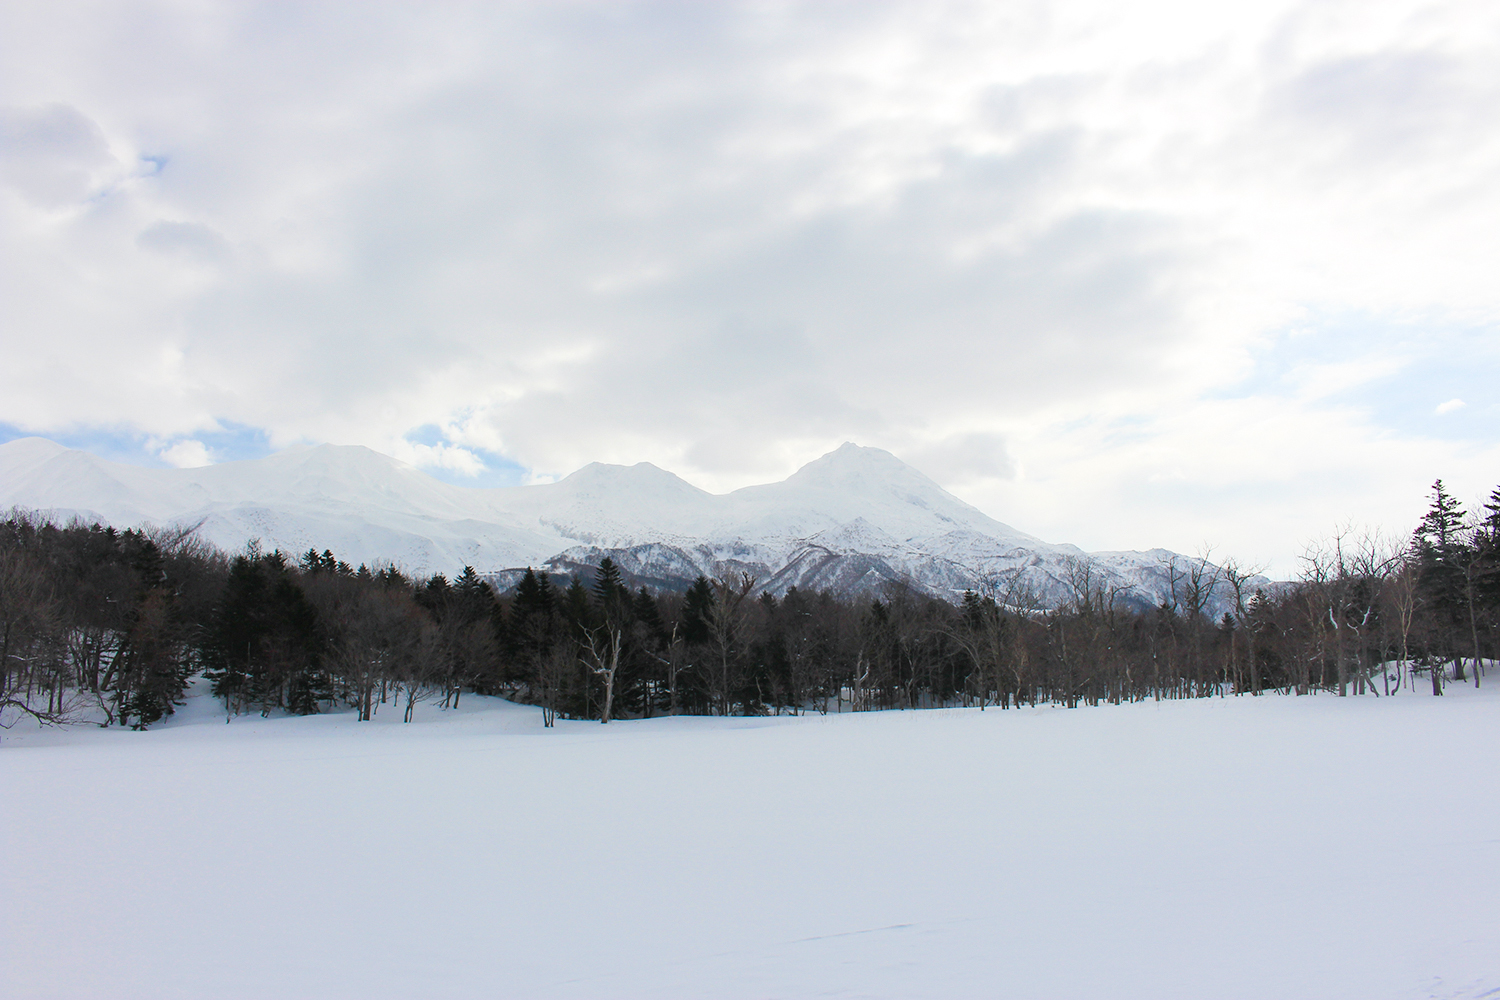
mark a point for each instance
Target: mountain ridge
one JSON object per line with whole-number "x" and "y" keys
{"x": 856, "y": 519}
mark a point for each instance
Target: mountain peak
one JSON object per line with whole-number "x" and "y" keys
{"x": 642, "y": 479}
{"x": 33, "y": 446}
{"x": 851, "y": 464}
{"x": 30, "y": 452}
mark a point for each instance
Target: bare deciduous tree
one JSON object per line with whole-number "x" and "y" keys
{"x": 726, "y": 632}
{"x": 600, "y": 652}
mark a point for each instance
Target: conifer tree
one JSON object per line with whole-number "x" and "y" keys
{"x": 698, "y": 611}
{"x": 1442, "y": 555}
{"x": 263, "y": 645}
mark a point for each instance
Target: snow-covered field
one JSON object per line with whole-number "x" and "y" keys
{"x": 1268, "y": 848}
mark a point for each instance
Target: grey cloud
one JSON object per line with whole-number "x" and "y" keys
{"x": 1385, "y": 105}
{"x": 485, "y": 212}
{"x": 188, "y": 240}
{"x": 51, "y": 154}
{"x": 843, "y": 325}
{"x": 771, "y": 299}
{"x": 964, "y": 458}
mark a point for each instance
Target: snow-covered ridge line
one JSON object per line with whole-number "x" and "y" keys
{"x": 850, "y": 521}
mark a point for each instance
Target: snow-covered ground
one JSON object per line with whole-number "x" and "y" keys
{"x": 1267, "y": 848}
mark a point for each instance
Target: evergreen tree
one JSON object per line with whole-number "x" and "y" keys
{"x": 609, "y": 587}
{"x": 151, "y": 666}
{"x": 436, "y": 595}
{"x": 647, "y": 692}
{"x": 476, "y": 634}
{"x": 263, "y": 645}
{"x": 577, "y": 608}
{"x": 698, "y": 612}
{"x": 971, "y": 610}
{"x": 1487, "y": 553}
{"x": 1442, "y": 560}
{"x": 1440, "y": 535}
{"x": 531, "y": 627}
{"x": 475, "y": 598}
{"x": 647, "y": 615}
{"x": 534, "y": 595}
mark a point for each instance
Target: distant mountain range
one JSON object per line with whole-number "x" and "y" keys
{"x": 852, "y": 521}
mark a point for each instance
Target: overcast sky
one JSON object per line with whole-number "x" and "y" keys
{"x": 1119, "y": 274}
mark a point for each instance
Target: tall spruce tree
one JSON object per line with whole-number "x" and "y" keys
{"x": 1442, "y": 555}
{"x": 698, "y": 611}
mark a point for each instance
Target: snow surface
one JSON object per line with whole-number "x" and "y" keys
{"x": 1261, "y": 848}
{"x": 855, "y": 518}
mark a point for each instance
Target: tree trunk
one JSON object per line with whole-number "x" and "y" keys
{"x": 1473, "y": 628}
{"x": 609, "y": 692}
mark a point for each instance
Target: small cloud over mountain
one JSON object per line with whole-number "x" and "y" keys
{"x": 186, "y": 454}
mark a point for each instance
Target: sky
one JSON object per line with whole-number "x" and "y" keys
{"x": 1213, "y": 277}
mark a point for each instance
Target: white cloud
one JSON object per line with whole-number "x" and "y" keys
{"x": 438, "y": 456}
{"x": 1027, "y": 245}
{"x": 186, "y": 454}
{"x": 1449, "y": 406}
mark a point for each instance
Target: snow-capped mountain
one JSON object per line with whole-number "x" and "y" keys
{"x": 850, "y": 521}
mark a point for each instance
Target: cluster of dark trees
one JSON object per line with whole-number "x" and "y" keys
{"x": 114, "y": 624}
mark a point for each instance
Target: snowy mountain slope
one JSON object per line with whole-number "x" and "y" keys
{"x": 854, "y": 520}
{"x": 612, "y": 505}
{"x": 368, "y": 507}
{"x": 854, "y": 484}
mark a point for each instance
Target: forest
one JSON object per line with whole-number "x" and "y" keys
{"x": 110, "y": 626}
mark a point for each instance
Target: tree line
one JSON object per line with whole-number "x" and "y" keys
{"x": 113, "y": 625}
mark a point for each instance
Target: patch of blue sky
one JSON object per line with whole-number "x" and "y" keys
{"x": 234, "y": 442}
{"x": 1405, "y": 375}
{"x": 111, "y": 443}
{"x": 429, "y": 434}
{"x": 1129, "y": 429}
{"x": 229, "y": 443}
{"x": 498, "y": 470}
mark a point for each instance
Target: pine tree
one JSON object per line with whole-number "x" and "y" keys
{"x": 152, "y": 665}
{"x": 1487, "y": 567}
{"x": 436, "y": 595}
{"x": 648, "y": 616}
{"x": 533, "y": 595}
{"x": 1487, "y": 551}
{"x": 972, "y": 610}
{"x": 476, "y": 620}
{"x": 1441, "y": 530}
{"x": 698, "y": 612}
{"x": 530, "y": 628}
{"x": 649, "y": 664}
{"x": 263, "y": 644}
{"x": 609, "y": 585}
{"x": 1442, "y": 556}
{"x": 475, "y": 598}
{"x": 576, "y": 606}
